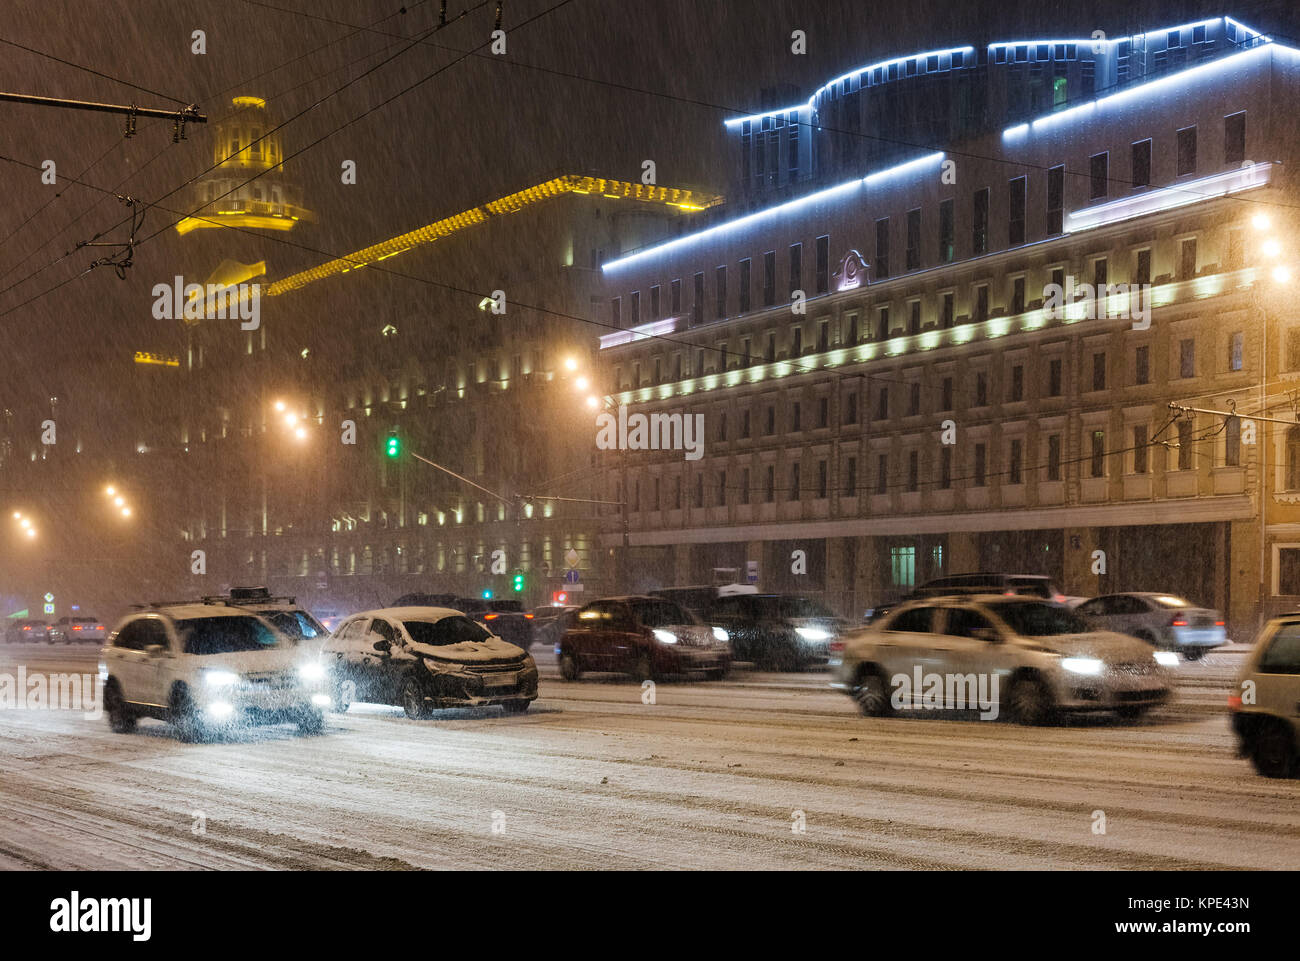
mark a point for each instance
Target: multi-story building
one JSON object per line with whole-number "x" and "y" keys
{"x": 891, "y": 390}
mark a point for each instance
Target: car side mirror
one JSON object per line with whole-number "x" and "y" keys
{"x": 383, "y": 646}
{"x": 155, "y": 650}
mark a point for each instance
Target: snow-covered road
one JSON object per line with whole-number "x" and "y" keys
{"x": 713, "y": 775}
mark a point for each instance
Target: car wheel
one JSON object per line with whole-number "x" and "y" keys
{"x": 311, "y": 722}
{"x": 121, "y": 719}
{"x": 413, "y": 702}
{"x": 341, "y": 699}
{"x": 1273, "y": 751}
{"x": 184, "y": 717}
{"x": 644, "y": 670}
{"x": 1031, "y": 702}
{"x": 569, "y": 667}
{"x": 1193, "y": 653}
{"x": 1146, "y": 636}
{"x": 871, "y": 695}
{"x": 515, "y": 707}
{"x": 1131, "y": 712}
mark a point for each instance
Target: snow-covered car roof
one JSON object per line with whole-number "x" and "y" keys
{"x": 411, "y": 613}
{"x": 179, "y": 612}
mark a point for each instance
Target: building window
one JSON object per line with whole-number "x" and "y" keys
{"x": 1187, "y": 358}
{"x": 1234, "y": 139}
{"x": 616, "y": 311}
{"x": 697, "y": 309}
{"x": 1140, "y": 448}
{"x": 947, "y": 310}
{"x": 1017, "y": 383}
{"x": 796, "y": 268}
{"x": 1098, "y": 453}
{"x": 1018, "y": 295}
{"x": 1099, "y": 371}
{"x": 1293, "y": 459}
{"x": 946, "y": 393}
{"x": 823, "y": 412}
{"x": 823, "y": 336}
{"x": 882, "y": 404}
{"x": 1016, "y": 208}
{"x": 946, "y": 244}
{"x": 1142, "y": 274}
{"x": 1186, "y": 151}
{"x": 902, "y": 566}
{"x": 882, "y": 474}
{"x": 851, "y": 477}
{"x": 744, "y": 486}
{"x": 634, "y": 303}
{"x": 1236, "y": 344}
{"x": 823, "y": 264}
{"x": 1142, "y": 365}
{"x": 913, "y": 471}
{"x": 980, "y": 222}
{"x": 914, "y": 317}
{"x": 1232, "y": 442}
{"x": 744, "y": 424}
{"x": 1054, "y": 457}
{"x": 981, "y": 302}
{"x": 769, "y": 353}
{"x": 796, "y": 342}
{"x": 1141, "y": 157}
{"x": 699, "y": 490}
{"x": 882, "y": 248}
{"x": 1056, "y": 200}
{"x": 851, "y": 409}
{"x": 1184, "y": 445}
{"x": 981, "y": 465}
{"x": 821, "y": 480}
{"x": 854, "y": 333}
{"x": 796, "y": 416}
{"x": 1098, "y": 175}
{"x": 720, "y": 290}
{"x": 882, "y": 323}
{"x": 675, "y": 298}
{"x": 744, "y": 286}
{"x": 945, "y": 467}
{"x": 794, "y": 482}
{"x": 914, "y": 400}
{"x": 722, "y": 488}
{"x": 1054, "y": 377}
{"x": 771, "y": 420}
{"x": 1016, "y": 463}
{"x": 913, "y": 251}
{"x": 1187, "y": 259}
{"x": 770, "y": 484}
{"x": 981, "y": 389}
{"x": 769, "y": 278}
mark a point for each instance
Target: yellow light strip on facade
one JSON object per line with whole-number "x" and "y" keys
{"x": 157, "y": 360}
{"x": 686, "y": 200}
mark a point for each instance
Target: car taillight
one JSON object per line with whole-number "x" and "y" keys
{"x": 1008, "y": 593}
{"x": 1178, "y": 621}
{"x": 76, "y": 627}
{"x": 490, "y": 617}
{"x": 1060, "y": 598}
{"x": 1219, "y": 623}
{"x": 836, "y": 646}
{"x": 1234, "y": 702}
{"x": 529, "y": 616}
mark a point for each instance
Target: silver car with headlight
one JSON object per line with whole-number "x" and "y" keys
{"x": 1017, "y": 656}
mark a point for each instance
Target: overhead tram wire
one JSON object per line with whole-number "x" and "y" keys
{"x": 221, "y": 93}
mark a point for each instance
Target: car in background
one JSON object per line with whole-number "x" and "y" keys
{"x": 76, "y": 630}
{"x": 207, "y": 669}
{"x": 1266, "y": 704}
{"x": 698, "y": 600}
{"x": 504, "y": 618}
{"x": 1045, "y": 658}
{"x": 644, "y": 636}
{"x": 426, "y": 658}
{"x": 550, "y": 622}
{"x": 27, "y": 631}
{"x": 1029, "y": 585}
{"x": 784, "y": 632}
{"x": 1162, "y": 620}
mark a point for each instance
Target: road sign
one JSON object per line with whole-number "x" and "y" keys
{"x": 571, "y": 557}
{"x": 49, "y": 608}
{"x": 573, "y": 577}
{"x": 751, "y": 572}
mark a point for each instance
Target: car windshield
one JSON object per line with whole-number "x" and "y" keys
{"x": 1039, "y": 620}
{"x": 508, "y": 607}
{"x": 447, "y": 630}
{"x": 1172, "y": 601}
{"x": 804, "y": 607}
{"x": 298, "y": 625}
{"x": 225, "y": 635}
{"x": 85, "y": 620}
{"x": 660, "y": 613}
{"x": 470, "y": 606}
{"x": 1036, "y": 586}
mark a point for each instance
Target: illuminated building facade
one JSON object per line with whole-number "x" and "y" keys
{"x": 888, "y": 386}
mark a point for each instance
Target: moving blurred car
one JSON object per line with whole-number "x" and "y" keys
{"x": 69, "y": 630}
{"x": 642, "y": 636}
{"x": 784, "y": 632}
{"x": 206, "y": 669}
{"x": 698, "y": 600}
{"x": 1044, "y": 658}
{"x": 504, "y": 618}
{"x": 27, "y": 631}
{"x": 423, "y": 658}
{"x": 550, "y": 622}
{"x": 1162, "y": 620}
{"x": 1266, "y": 705}
{"x": 1028, "y": 585}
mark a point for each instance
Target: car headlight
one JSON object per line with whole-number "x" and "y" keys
{"x": 312, "y": 671}
{"x": 220, "y": 678}
{"x": 665, "y": 637}
{"x": 813, "y": 633}
{"x": 1082, "y": 665}
{"x": 1166, "y": 658}
{"x": 721, "y": 635}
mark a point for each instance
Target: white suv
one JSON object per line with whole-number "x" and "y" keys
{"x": 207, "y": 668}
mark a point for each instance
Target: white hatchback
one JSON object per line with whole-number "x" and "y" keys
{"x": 207, "y": 668}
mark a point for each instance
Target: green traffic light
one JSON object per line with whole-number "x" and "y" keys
{"x": 394, "y": 446}
{"x": 519, "y": 582}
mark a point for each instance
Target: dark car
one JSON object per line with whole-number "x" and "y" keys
{"x": 69, "y": 630}
{"x": 985, "y": 582}
{"x": 26, "y": 631}
{"x": 698, "y": 600}
{"x": 642, "y": 636}
{"x": 506, "y": 619}
{"x": 784, "y": 632}
{"x": 423, "y": 658}
{"x": 550, "y": 622}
